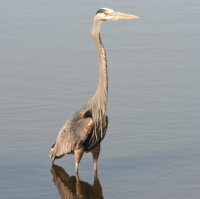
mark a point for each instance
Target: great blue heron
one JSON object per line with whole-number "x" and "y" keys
{"x": 85, "y": 129}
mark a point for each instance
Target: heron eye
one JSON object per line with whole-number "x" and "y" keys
{"x": 105, "y": 13}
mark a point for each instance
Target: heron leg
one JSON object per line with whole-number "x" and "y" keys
{"x": 95, "y": 154}
{"x": 77, "y": 156}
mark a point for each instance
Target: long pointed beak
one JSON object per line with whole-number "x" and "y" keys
{"x": 120, "y": 15}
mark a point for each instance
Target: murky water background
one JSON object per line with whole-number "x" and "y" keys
{"x": 49, "y": 68}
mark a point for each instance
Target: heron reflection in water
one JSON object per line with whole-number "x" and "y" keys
{"x": 86, "y": 128}
{"x": 71, "y": 187}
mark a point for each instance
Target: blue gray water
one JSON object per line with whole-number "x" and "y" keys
{"x": 49, "y": 68}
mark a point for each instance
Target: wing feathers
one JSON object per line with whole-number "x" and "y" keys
{"x": 72, "y": 135}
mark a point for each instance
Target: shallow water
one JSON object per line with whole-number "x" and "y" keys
{"x": 49, "y": 69}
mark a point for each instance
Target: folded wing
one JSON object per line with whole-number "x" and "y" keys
{"x": 72, "y": 135}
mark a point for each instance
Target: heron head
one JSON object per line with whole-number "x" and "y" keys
{"x": 105, "y": 14}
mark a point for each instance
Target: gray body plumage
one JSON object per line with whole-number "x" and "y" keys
{"x": 72, "y": 135}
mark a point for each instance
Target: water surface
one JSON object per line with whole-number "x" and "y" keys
{"x": 49, "y": 69}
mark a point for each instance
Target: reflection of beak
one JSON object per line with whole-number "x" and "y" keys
{"x": 120, "y": 15}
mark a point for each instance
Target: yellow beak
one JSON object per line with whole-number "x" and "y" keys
{"x": 120, "y": 15}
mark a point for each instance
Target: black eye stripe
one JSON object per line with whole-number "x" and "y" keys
{"x": 100, "y": 11}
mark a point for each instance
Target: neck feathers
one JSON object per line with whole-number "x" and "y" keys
{"x": 98, "y": 102}
{"x": 101, "y": 95}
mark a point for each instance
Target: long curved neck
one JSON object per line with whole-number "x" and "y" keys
{"x": 100, "y": 97}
